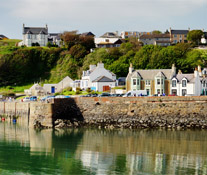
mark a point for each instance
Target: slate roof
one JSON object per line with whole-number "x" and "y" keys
{"x": 87, "y": 34}
{"x": 2, "y": 36}
{"x": 152, "y": 73}
{"x": 103, "y": 79}
{"x": 181, "y": 32}
{"x": 110, "y": 35}
{"x": 35, "y": 30}
{"x": 189, "y": 77}
{"x": 152, "y": 36}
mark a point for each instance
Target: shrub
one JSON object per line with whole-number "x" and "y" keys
{"x": 88, "y": 90}
{"x": 69, "y": 89}
{"x": 78, "y": 92}
{"x": 78, "y": 89}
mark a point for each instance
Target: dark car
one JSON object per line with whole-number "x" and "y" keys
{"x": 33, "y": 98}
{"x": 104, "y": 94}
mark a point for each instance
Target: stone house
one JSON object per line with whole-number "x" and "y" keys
{"x": 154, "y": 81}
{"x": 97, "y": 78}
{"x": 178, "y": 36}
{"x": 35, "y": 90}
{"x": 33, "y": 35}
{"x": 193, "y": 84}
{"x": 156, "y": 39}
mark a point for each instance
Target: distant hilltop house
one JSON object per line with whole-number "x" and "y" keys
{"x": 35, "y": 35}
{"x": 2, "y": 37}
{"x": 108, "y": 40}
{"x": 156, "y": 39}
{"x": 54, "y": 38}
{"x": 136, "y": 34}
{"x": 88, "y": 34}
{"x": 178, "y": 36}
{"x": 98, "y": 78}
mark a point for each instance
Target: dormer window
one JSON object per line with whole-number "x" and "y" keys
{"x": 184, "y": 83}
{"x": 174, "y": 82}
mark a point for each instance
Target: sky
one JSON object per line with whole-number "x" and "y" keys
{"x": 100, "y": 16}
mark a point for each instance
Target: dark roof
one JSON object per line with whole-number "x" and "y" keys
{"x": 103, "y": 79}
{"x": 2, "y": 36}
{"x": 35, "y": 30}
{"x": 110, "y": 35}
{"x": 87, "y": 34}
{"x": 154, "y": 36}
{"x": 181, "y": 32}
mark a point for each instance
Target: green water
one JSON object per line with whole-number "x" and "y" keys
{"x": 25, "y": 151}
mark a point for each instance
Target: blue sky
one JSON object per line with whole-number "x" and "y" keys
{"x": 100, "y": 16}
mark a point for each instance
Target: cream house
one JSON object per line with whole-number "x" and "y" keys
{"x": 154, "y": 81}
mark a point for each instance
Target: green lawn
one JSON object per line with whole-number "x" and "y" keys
{"x": 9, "y": 42}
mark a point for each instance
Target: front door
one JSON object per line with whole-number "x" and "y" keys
{"x": 52, "y": 89}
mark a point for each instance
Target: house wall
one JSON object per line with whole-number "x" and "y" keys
{"x": 99, "y": 85}
{"x": 28, "y": 39}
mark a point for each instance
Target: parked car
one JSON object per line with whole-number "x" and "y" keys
{"x": 26, "y": 99}
{"x": 33, "y": 98}
{"x": 62, "y": 96}
{"x": 104, "y": 94}
{"x": 47, "y": 98}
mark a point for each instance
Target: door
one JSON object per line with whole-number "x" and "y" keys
{"x": 52, "y": 89}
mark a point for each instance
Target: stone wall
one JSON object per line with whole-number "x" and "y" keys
{"x": 110, "y": 112}
{"x": 134, "y": 112}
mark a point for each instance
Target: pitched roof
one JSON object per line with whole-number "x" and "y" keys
{"x": 181, "y": 32}
{"x": 87, "y": 34}
{"x": 152, "y": 73}
{"x": 35, "y": 30}
{"x": 103, "y": 79}
{"x": 110, "y": 35}
{"x": 2, "y": 36}
{"x": 189, "y": 77}
{"x": 154, "y": 36}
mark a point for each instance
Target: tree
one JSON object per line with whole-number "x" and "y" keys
{"x": 78, "y": 51}
{"x": 156, "y": 32}
{"x": 70, "y": 39}
{"x": 87, "y": 42}
{"x": 195, "y": 36}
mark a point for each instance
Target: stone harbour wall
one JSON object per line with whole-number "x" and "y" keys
{"x": 133, "y": 112}
{"x": 111, "y": 112}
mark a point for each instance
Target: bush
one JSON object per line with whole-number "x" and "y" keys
{"x": 69, "y": 89}
{"x": 88, "y": 90}
{"x": 57, "y": 93}
{"x": 78, "y": 92}
{"x": 78, "y": 89}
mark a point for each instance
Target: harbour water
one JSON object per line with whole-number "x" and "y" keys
{"x": 25, "y": 151}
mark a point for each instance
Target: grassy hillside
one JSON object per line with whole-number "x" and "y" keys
{"x": 9, "y": 42}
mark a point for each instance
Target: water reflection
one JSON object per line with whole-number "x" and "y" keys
{"x": 27, "y": 151}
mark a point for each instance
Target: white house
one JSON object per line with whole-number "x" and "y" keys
{"x": 109, "y": 39}
{"x": 194, "y": 84}
{"x": 33, "y": 35}
{"x": 98, "y": 78}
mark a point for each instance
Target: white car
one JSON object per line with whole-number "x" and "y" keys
{"x": 26, "y": 99}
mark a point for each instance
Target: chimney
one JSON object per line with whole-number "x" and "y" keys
{"x": 179, "y": 72}
{"x": 196, "y": 74}
{"x": 131, "y": 68}
{"x": 46, "y": 26}
{"x": 199, "y": 70}
{"x": 173, "y": 70}
{"x": 100, "y": 65}
{"x": 91, "y": 67}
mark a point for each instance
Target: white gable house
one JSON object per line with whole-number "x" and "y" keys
{"x": 194, "y": 84}
{"x": 97, "y": 78}
{"x": 34, "y": 35}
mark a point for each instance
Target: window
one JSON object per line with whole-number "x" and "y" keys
{"x": 174, "y": 91}
{"x": 175, "y": 36}
{"x": 158, "y": 91}
{"x": 204, "y": 84}
{"x": 134, "y": 82}
{"x": 138, "y": 82}
{"x": 162, "y": 91}
{"x": 183, "y": 83}
{"x": 184, "y": 92}
{"x": 174, "y": 83}
{"x": 107, "y": 40}
{"x": 158, "y": 81}
{"x": 147, "y": 82}
{"x": 162, "y": 81}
